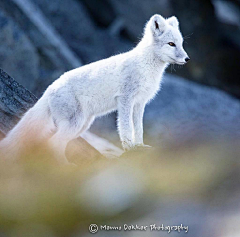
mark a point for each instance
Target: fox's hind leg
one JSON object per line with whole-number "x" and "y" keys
{"x": 87, "y": 124}
{"x": 71, "y": 118}
{"x": 66, "y": 131}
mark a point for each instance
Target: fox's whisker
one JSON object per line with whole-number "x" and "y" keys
{"x": 187, "y": 36}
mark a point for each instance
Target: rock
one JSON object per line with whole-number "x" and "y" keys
{"x": 15, "y": 100}
{"x": 215, "y": 53}
{"x": 142, "y": 10}
{"x": 17, "y": 53}
{"x": 185, "y": 112}
{"x": 55, "y": 57}
{"x": 74, "y": 24}
{"x": 102, "y": 12}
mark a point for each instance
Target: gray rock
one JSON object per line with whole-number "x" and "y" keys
{"x": 74, "y": 24}
{"x": 213, "y": 47}
{"x": 102, "y": 12}
{"x": 54, "y": 55}
{"x": 135, "y": 13}
{"x": 15, "y": 100}
{"x": 186, "y": 112}
{"x": 17, "y": 53}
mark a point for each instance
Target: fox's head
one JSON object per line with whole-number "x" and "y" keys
{"x": 166, "y": 39}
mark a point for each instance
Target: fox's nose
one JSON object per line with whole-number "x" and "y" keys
{"x": 187, "y": 59}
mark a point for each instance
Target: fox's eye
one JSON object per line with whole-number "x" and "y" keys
{"x": 172, "y": 44}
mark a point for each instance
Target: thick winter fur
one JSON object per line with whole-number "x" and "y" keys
{"x": 125, "y": 82}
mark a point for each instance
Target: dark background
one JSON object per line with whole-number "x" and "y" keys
{"x": 96, "y": 29}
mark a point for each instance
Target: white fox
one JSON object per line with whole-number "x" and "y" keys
{"x": 125, "y": 82}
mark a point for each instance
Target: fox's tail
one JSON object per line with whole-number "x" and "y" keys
{"x": 33, "y": 127}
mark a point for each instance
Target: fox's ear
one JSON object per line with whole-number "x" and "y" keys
{"x": 173, "y": 21}
{"x": 158, "y": 24}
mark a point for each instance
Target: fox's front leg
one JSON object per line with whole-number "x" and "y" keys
{"x": 125, "y": 121}
{"x": 138, "y": 111}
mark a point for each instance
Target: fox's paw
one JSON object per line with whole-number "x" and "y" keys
{"x": 127, "y": 145}
{"x": 138, "y": 147}
{"x": 142, "y": 146}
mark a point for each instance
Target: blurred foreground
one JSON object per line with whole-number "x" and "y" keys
{"x": 193, "y": 185}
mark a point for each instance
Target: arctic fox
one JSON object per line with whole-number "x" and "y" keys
{"x": 125, "y": 82}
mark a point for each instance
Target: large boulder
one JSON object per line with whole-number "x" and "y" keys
{"x": 186, "y": 112}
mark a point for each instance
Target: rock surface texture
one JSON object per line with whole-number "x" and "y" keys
{"x": 15, "y": 100}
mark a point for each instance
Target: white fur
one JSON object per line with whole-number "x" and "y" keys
{"x": 125, "y": 82}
